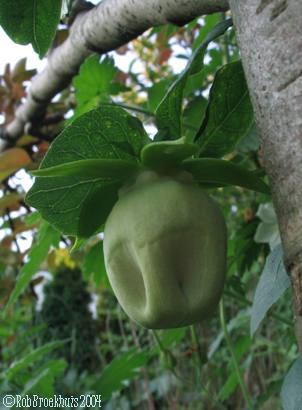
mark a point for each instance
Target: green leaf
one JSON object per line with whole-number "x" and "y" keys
{"x": 31, "y": 21}
{"x": 229, "y": 386}
{"x": 237, "y": 322}
{"x": 209, "y": 23}
{"x": 169, "y": 338}
{"x": 94, "y": 79}
{"x": 31, "y": 358}
{"x": 218, "y": 173}
{"x": 271, "y": 286}
{"x": 229, "y": 113}
{"x": 268, "y": 229}
{"x": 250, "y": 141}
{"x": 94, "y": 264}
{"x": 156, "y": 93}
{"x": 44, "y": 378}
{"x": 165, "y": 154}
{"x": 95, "y": 83}
{"x": 121, "y": 369}
{"x": 92, "y": 168}
{"x": 242, "y": 346}
{"x": 168, "y": 113}
{"x": 47, "y": 237}
{"x": 79, "y": 206}
{"x": 193, "y": 116}
{"x": 291, "y": 392}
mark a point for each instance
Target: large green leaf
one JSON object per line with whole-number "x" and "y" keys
{"x": 31, "y": 21}
{"x": 214, "y": 172}
{"x": 79, "y": 206}
{"x": 47, "y": 237}
{"x": 271, "y": 286}
{"x": 229, "y": 113}
{"x": 168, "y": 113}
{"x": 92, "y": 168}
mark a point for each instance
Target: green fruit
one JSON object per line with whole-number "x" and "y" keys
{"x": 165, "y": 251}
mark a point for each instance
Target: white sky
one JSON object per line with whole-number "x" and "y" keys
{"x": 11, "y": 52}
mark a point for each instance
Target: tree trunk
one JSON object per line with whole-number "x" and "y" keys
{"x": 269, "y": 33}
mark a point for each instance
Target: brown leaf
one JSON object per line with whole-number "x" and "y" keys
{"x": 19, "y": 72}
{"x": 12, "y": 160}
{"x": 164, "y": 55}
{"x": 26, "y": 140}
{"x": 7, "y": 242}
{"x": 20, "y": 226}
{"x": 10, "y": 202}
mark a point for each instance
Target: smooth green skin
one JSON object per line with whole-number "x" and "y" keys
{"x": 165, "y": 252}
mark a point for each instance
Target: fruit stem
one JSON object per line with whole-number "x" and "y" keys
{"x": 228, "y": 340}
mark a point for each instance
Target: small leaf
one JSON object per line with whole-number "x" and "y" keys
{"x": 272, "y": 284}
{"x": 268, "y": 233}
{"x": 43, "y": 381}
{"x": 218, "y": 172}
{"x": 92, "y": 168}
{"x": 156, "y": 93}
{"x": 94, "y": 79}
{"x": 267, "y": 230}
{"x": 236, "y": 322}
{"x": 267, "y": 213}
{"x": 291, "y": 392}
{"x": 12, "y": 160}
{"x": 79, "y": 206}
{"x": 94, "y": 264}
{"x": 165, "y": 154}
{"x": 31, "y": 358}
{"x": 31, "y": 21}
{"x": 78, "y": 243}
{"x": 168, "y": 338}
{"x": 121, "y": 369}
{"x": 46, "y": 238}
{"x": 229, "y": 114}
{"x": 242, "y": 346}
{"x": 95, "y": 83}
{"x": 168, "y": 113}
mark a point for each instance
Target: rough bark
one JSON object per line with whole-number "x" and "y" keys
{"x": 270, "y": 39}
{"x": 108, "y": 26}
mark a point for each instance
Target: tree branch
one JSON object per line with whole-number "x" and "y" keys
{"x": 106, "y": 27}
{"x": 270, "y": 40}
